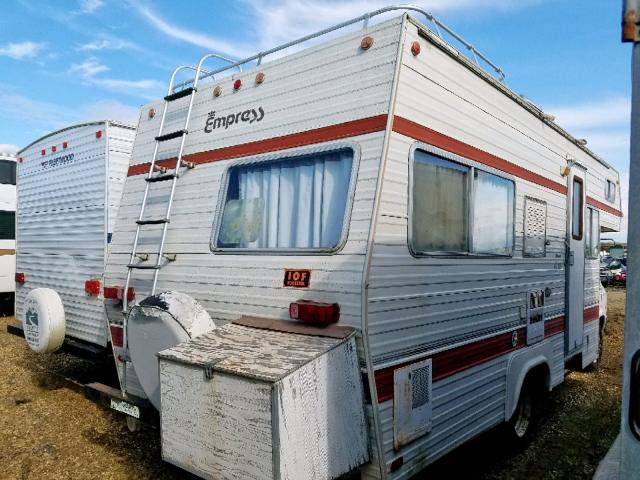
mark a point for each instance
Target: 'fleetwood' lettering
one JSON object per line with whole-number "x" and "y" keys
{"x": 58, "y": 161}
{"x": 226, "y": 121}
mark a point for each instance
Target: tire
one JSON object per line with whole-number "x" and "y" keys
{"x": 525, "y": 419}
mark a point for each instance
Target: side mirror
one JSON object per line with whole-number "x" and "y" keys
{"x": 616, "y": 252}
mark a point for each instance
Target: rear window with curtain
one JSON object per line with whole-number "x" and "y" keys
{"x": 7, "y": 172}
{"x": 287, "y": 204}
{"x": 7, "y": 226}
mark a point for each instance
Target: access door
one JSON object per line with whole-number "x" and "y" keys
{"x": 574, "y": 301}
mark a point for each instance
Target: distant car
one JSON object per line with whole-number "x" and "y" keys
{"x": 621, "y": 275}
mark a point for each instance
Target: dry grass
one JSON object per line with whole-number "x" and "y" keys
{"x": 49, "y": 430}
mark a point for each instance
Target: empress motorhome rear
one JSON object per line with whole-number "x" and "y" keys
{"x": 7, "y": 231}
{"x": 69, "y": 188}
{"x": 375, "y": 207}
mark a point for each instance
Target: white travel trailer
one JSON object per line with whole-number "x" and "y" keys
{"x": 397, "y": 251}
{"x": 7, "y": 231}
{"x": 69, "y": 188}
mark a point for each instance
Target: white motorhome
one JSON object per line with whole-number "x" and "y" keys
{"x": 7, "y": 231}
{"x": 397, "y": 252}
{"x": 69, "y": 188}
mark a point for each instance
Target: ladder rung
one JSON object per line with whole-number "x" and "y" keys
{"x": 180, "y": 94}
{"x": 162, "y": 178}
{"x": 172, "y": 135}
{"x": 153, "y": 222}
{"x": 144, "y": 267}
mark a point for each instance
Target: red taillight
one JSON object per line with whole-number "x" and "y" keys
{"x": 315, "y": 312}
{"x": 99, "y": 134}
{"x": 20, "y": 277}
{"x": 117, "y": 293}
{"x": 92, "y": 287}
{"x": 116, "y": 335}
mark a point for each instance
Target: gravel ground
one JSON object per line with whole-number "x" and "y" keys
{"x": 49, "y": 430}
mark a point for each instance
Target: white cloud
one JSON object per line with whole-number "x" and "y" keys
{"x": 106, "y": 44}
{"x": 188, "y": 36}
{"x": 90, "y": 69}
{"x": 611, "y": 111}
{"x": 9, "y": 148}
{"x": 22, "y": 50}
{"x": 111, "y": 110}
{"x": 90, "y": 6}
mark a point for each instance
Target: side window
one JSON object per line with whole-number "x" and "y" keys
{"x": 535, "y": 227}
{"x": 7, "y": 226}
{"x": 459, "y": 209}
{"x": 297, "y": 202}
{"x": 610, "y": 191}
{"x": 7, "y": 172}
{"x": 577, "y": 208}
{"x": 592, "y": 233}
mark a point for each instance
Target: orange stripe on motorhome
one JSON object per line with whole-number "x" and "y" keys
{"x": 440, "y": 140}
{"x": 603, "y": 206}
{"x": 310, "y": 137}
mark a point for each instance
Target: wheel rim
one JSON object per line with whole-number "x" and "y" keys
{"x": 523, "y": 421}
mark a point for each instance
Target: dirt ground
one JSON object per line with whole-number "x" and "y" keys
{"x": 49, "y": 430}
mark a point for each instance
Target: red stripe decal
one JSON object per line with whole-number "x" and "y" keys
{"x": 591, "y": 314}
{"x": 553, "y": 326}
{"x": 437, "y": 139}
{"x": 455, "y": 360}
{"x": 604, "y": 207}
{"x": 310, "y": 137}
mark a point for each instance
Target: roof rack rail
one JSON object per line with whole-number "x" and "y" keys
{"x": 438, "y": 25}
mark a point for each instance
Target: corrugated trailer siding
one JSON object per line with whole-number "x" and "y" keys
{"x": 322, "y": 86}
{"x": 120, "y": 146}
{"x": 61, "y": 219}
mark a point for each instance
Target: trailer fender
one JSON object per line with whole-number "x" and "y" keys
{"x": 44, "y": 321}
{"x": 519, "y": 366}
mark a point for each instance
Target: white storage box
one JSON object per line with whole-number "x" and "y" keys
{"x": 250, "y": 403}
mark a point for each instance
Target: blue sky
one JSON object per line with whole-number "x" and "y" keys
{"x": 64, "y": 62}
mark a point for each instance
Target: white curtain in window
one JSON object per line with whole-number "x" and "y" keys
{"x": 493, "y": 214}
{"x": 304, "y": 199}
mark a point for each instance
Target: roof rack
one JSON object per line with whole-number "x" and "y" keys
{"x": 439, "y": 27}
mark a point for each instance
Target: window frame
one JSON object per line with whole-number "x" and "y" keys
{"x": 579, "y": 180}
{"x": 608, "y": 194}
{"x": 275, "y": 157}
{"x": 472, "y": 164}
{"x": 588, "y": 247}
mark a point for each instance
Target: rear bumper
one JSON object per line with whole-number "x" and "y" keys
{"x": 130, "y": 405}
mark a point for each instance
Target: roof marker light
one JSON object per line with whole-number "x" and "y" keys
{"x": 237, "y": 84}
{"x": 20, "y": 277}
{"x": 415, "y": 48}
{"x": 65, "y": 144}
{"x": 53, "y": 148}
{"x": 260, "y": 78}
{"x": 20, "y": 159}
{"x": 43, "y": 152}
{"x": 366, "y": 43}
{"x": 217, "y": 91}
{"x": 99, "y": 134}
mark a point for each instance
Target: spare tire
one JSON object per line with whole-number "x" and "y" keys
{"x": 44, "y": 323}
{"x": 159, "y": 322}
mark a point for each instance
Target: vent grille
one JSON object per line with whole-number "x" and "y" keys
{"x": 420, "y": 386}
{"x": 535, "y": 227}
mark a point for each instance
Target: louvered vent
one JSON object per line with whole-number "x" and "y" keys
{"x": 420, "y": 386}
{"x": 412, "y": 402}
{"x": 535, "y": 227}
